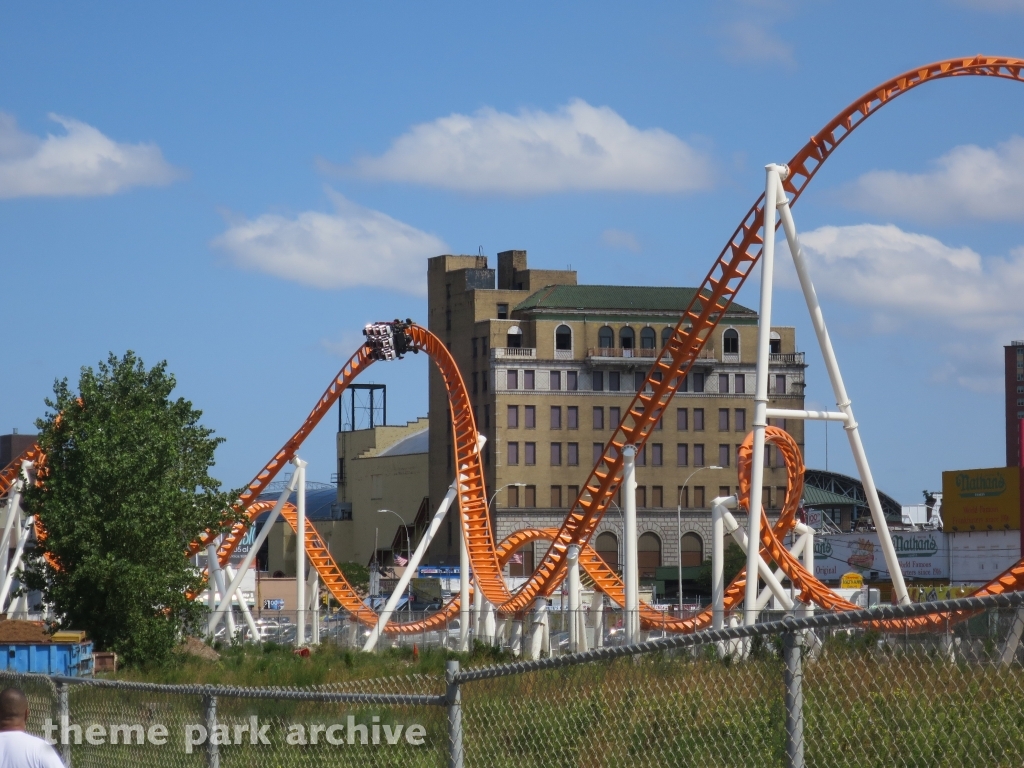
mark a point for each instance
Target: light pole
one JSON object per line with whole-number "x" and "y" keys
{"x": 679, "y": 531}
{"x": 494, "y": 495}
{"x": 408, "y": 547}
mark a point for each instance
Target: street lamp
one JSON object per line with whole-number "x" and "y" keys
{"x": 679, "y": 531}
{"x": 494, "y": 495}
{"x": 408, "y": 546}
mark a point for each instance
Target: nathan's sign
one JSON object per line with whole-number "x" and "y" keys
{"x": 981, "y": 499}
{"x": 921, "y": 554}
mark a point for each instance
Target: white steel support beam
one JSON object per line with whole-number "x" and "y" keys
{"x": 835, "y": 377}
{"x": 573, "y": 586}
{"x": 629, "y": 546}
{"x": 23, "y": 531}
{"x": 300, "y": 551}
{"x": 246, "y": 613}
{"x": 764, "y": 332}
{"x": 740, "y": 537}
{"x": 411, "y": 566}
{"x": 718, "y": 510}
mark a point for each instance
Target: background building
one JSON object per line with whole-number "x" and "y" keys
{"x": 1014, "y": 368}
{"x": 552, "y": 365}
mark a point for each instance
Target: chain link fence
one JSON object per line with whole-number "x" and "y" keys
{"x": 823, "y": 690}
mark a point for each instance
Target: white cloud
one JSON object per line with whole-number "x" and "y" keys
{"x": 913, "y": 282}
{"x": 577, "y": 147}
{"x": 617, "y": 238}
{"x": 968, "y": 181}
{"x": 82, "y": 162}
{"x": 748, "y": 41}
{"x": 352, "y": 247}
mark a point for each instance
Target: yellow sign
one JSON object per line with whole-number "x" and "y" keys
{"x": 927, "y": 593}
{"x": 981, "y": 499}
{"x": 851, "y": 581}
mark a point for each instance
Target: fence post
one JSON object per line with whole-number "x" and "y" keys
{"x": 792, "y": 650}
{"x": 212, "y": 750}
{"x": 63, "y": 720}
{"x": 453, "y": 698}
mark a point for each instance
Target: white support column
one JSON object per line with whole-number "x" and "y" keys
{"x": 411, "y": 566}
{"x": 718, "y": 564}
{"x": 478, "y": 611}
{"x": 629, "y": 546}
{"x": 246, "y": 613}
{"x": 313, "y": 591}
{"x": 465, "y": 611}
{"x": 573, "y": 587}
{"x": 839, "y": 388}
{"x": 597, "y": 618}
{"x": 215, "y": 580}
{"x": 300, "y": 552}
{"x": 23, "y": 531}
{"x": 489, "y": 627}
{"x": 515, "y": 644}
{"x": 764, "y": 332}
{"x": 538, "y": 628}
{"x": 741, "y": 538}
{"x": 13, "y": 517}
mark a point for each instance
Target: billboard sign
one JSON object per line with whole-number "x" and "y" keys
{"x": 814, "y": 518}
{"x": 921, "y": 554}
{"x": 981, "y": 499}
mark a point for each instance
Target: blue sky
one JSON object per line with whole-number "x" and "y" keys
{"x": 238, "y": 188}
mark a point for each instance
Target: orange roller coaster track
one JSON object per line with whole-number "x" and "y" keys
{"x": 711, "y": 301}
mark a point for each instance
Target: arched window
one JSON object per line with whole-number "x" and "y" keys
{"x": 608, "y": 549}
{"x": 606, "y": 338}
{"x": 563, "y": 337}
{"x": 627, "y": 338}
{"x": 666, "y": 334}
{"x": 648, "y": 549}
{"x": 691, "y": 550}
{"x": 515, "y": 337}
{"x": 731, "y": 342}
{"x": 648, "y": 338}
{"x": 775, "y": 343}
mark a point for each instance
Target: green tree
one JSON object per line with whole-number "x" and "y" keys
{"x": 734, "y": 562}
{"x": 125, "y": 487}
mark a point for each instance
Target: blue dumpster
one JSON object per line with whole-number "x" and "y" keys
{"x": 72, "y": 659}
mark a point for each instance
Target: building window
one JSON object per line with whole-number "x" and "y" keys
{"x": 607, "y": 547}
{"x": 723, "y": 383}
{"x": 556, "y": 454}
{"x": 572, "y": 417}
{"x": 766, "y": 497}
{"x": 639, "y": 377}
{"x": 775, "y": 343}
{"x": 513, "y": 453}
{"x": 555, "y": 381}
{"x": 512, "y": 380}
{"x": 613, "y": 417}
{"x": 529, "y": 381}
{"x": 723, "y": 419}
{"x": 483, "y": 380}
{"x": 563, "y": 337}
{"x": 698, "y": 455}
{"x": 573, "y": 455}
{"x": 656, "y": 456}
{"x": 530, "y": 414}
{"x": 682, "y": 419}
{"x": 483, "y": 346}
{"x": 659, "y": 424}
{"x": 572, "y": 491}
{"x": 691, "y": 550}
{"x": 780, "y": 384}
{"x": 648, "y": 338}
{"x": 666, "y": 334}
{"x": 572, "y": 381}
{"x": 657, "y": 497}
{"x": 741, "y": 420}
{"x": 731, "y": 342}
{"x": 513, "y": 417}
{"x": 503, "y": 311}
{"x": 487, "y": 417}
{"x": 556, "y": 417}
{"x": 606, "y": 338}
{"x": 682, "y": 455}
{"x": 531, "y": 496}
{"x": 627, "y": 339}
{"x": 475, "y": 379}
{"x": 474, "y": 346}
{"x": 613, "y": 381}
{"x": 598, "y": 417}
{"x": 723, "y": 455}
{"x": 598, "y": 452}
{"x": 530, "y": 454}
{"x": 698, "y": 419}
{"x": 698, "y": 496}
{"x": 741, "y": 383}
{"x": 514, "y": 337}
{"x": 597, "y": 381}
{"x": 698, "y": 382}
{"x": 556, "y": 497}
{"x": 723, "y": 491}
{"x": 513, "y": 496}
{"x": 683, "y": 496}
{"x": 641, "y": 456}
{"x": 641, "y": 496}
{"x": 648, "y": 555}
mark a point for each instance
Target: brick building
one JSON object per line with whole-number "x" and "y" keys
{"x": 552, "y": 365}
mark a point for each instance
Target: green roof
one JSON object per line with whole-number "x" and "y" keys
{"x": 617, "y": 297}
{"x": 819, "y": 497}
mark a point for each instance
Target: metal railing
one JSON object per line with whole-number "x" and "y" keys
{"x": 836, "y": 689}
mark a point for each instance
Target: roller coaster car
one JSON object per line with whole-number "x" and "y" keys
{"x": 389, "y": 341}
